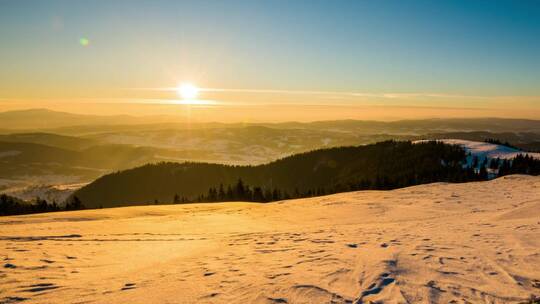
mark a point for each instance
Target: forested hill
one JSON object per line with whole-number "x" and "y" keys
{"x": 383, "y": 165}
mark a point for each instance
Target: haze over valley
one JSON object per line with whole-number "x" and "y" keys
{"x": 53, "y": 160}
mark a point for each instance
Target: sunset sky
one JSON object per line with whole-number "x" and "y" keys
{"x": 323, "y": 59}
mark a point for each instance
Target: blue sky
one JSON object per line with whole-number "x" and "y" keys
{"x": 487, "y": 48}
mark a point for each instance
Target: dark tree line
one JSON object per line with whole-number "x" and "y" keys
{"x": 13, "y": 206}
{"x": 521, "y": 164}
{"x": 498, "y": 142}
{"x": 243, "y": 192}
{"x": 240, "y": 191}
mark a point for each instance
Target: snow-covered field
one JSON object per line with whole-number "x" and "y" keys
{"x": 483, "y": 152}
{"x": 437, "y": 243}
{"x": 489, "y": 150}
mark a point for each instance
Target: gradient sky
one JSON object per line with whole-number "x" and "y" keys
{"x": 481, "y": 55}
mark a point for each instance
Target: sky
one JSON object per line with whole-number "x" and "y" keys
{"x": 354, "y": 59}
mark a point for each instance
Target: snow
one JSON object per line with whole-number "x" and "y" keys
{"x": 489, "y": 150}
{"x": 437, "y": 243}
{"x": 483, "y": 150}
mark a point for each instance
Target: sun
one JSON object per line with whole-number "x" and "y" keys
{"x": 188, "y": 91}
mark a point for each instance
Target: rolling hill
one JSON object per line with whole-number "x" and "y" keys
{"x": 39, "y": 162}
{"x": 50, "y": 139}
{"x": 45, "y": 119}
{"x": 382, "y": 165}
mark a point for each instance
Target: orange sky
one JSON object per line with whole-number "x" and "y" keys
{"x": 230, "y": 111}
{"x": 272, "y": 60}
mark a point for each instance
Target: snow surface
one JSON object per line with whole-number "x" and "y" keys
{"x": 438, "y": 243}
{"x": 484, "y": 150}
{"x": 489, "y": 150}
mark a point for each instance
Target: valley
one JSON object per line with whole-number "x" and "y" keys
{"x": 38, "y": 160}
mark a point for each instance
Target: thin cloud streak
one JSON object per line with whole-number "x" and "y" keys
{"x": 344, "y": 93}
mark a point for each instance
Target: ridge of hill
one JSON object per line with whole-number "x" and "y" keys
{"x": 382, "y": 165}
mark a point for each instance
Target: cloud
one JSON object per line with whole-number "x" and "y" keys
{"x": 387, "y": 95}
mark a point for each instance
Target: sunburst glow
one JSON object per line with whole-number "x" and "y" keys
{"x": 188, "y": 91}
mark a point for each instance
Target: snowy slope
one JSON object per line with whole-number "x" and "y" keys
{"x": 484, "y": 152}
{"x": 438, "y": 243}
{"x": 484, "y": 149}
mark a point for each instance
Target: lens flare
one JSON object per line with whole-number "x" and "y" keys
{"x": 84, "y": 41}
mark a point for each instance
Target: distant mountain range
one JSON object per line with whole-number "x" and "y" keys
{"x": 44, "y": 119}
{"x": 48, "y": 120}
{"x": 49, "y": 139}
